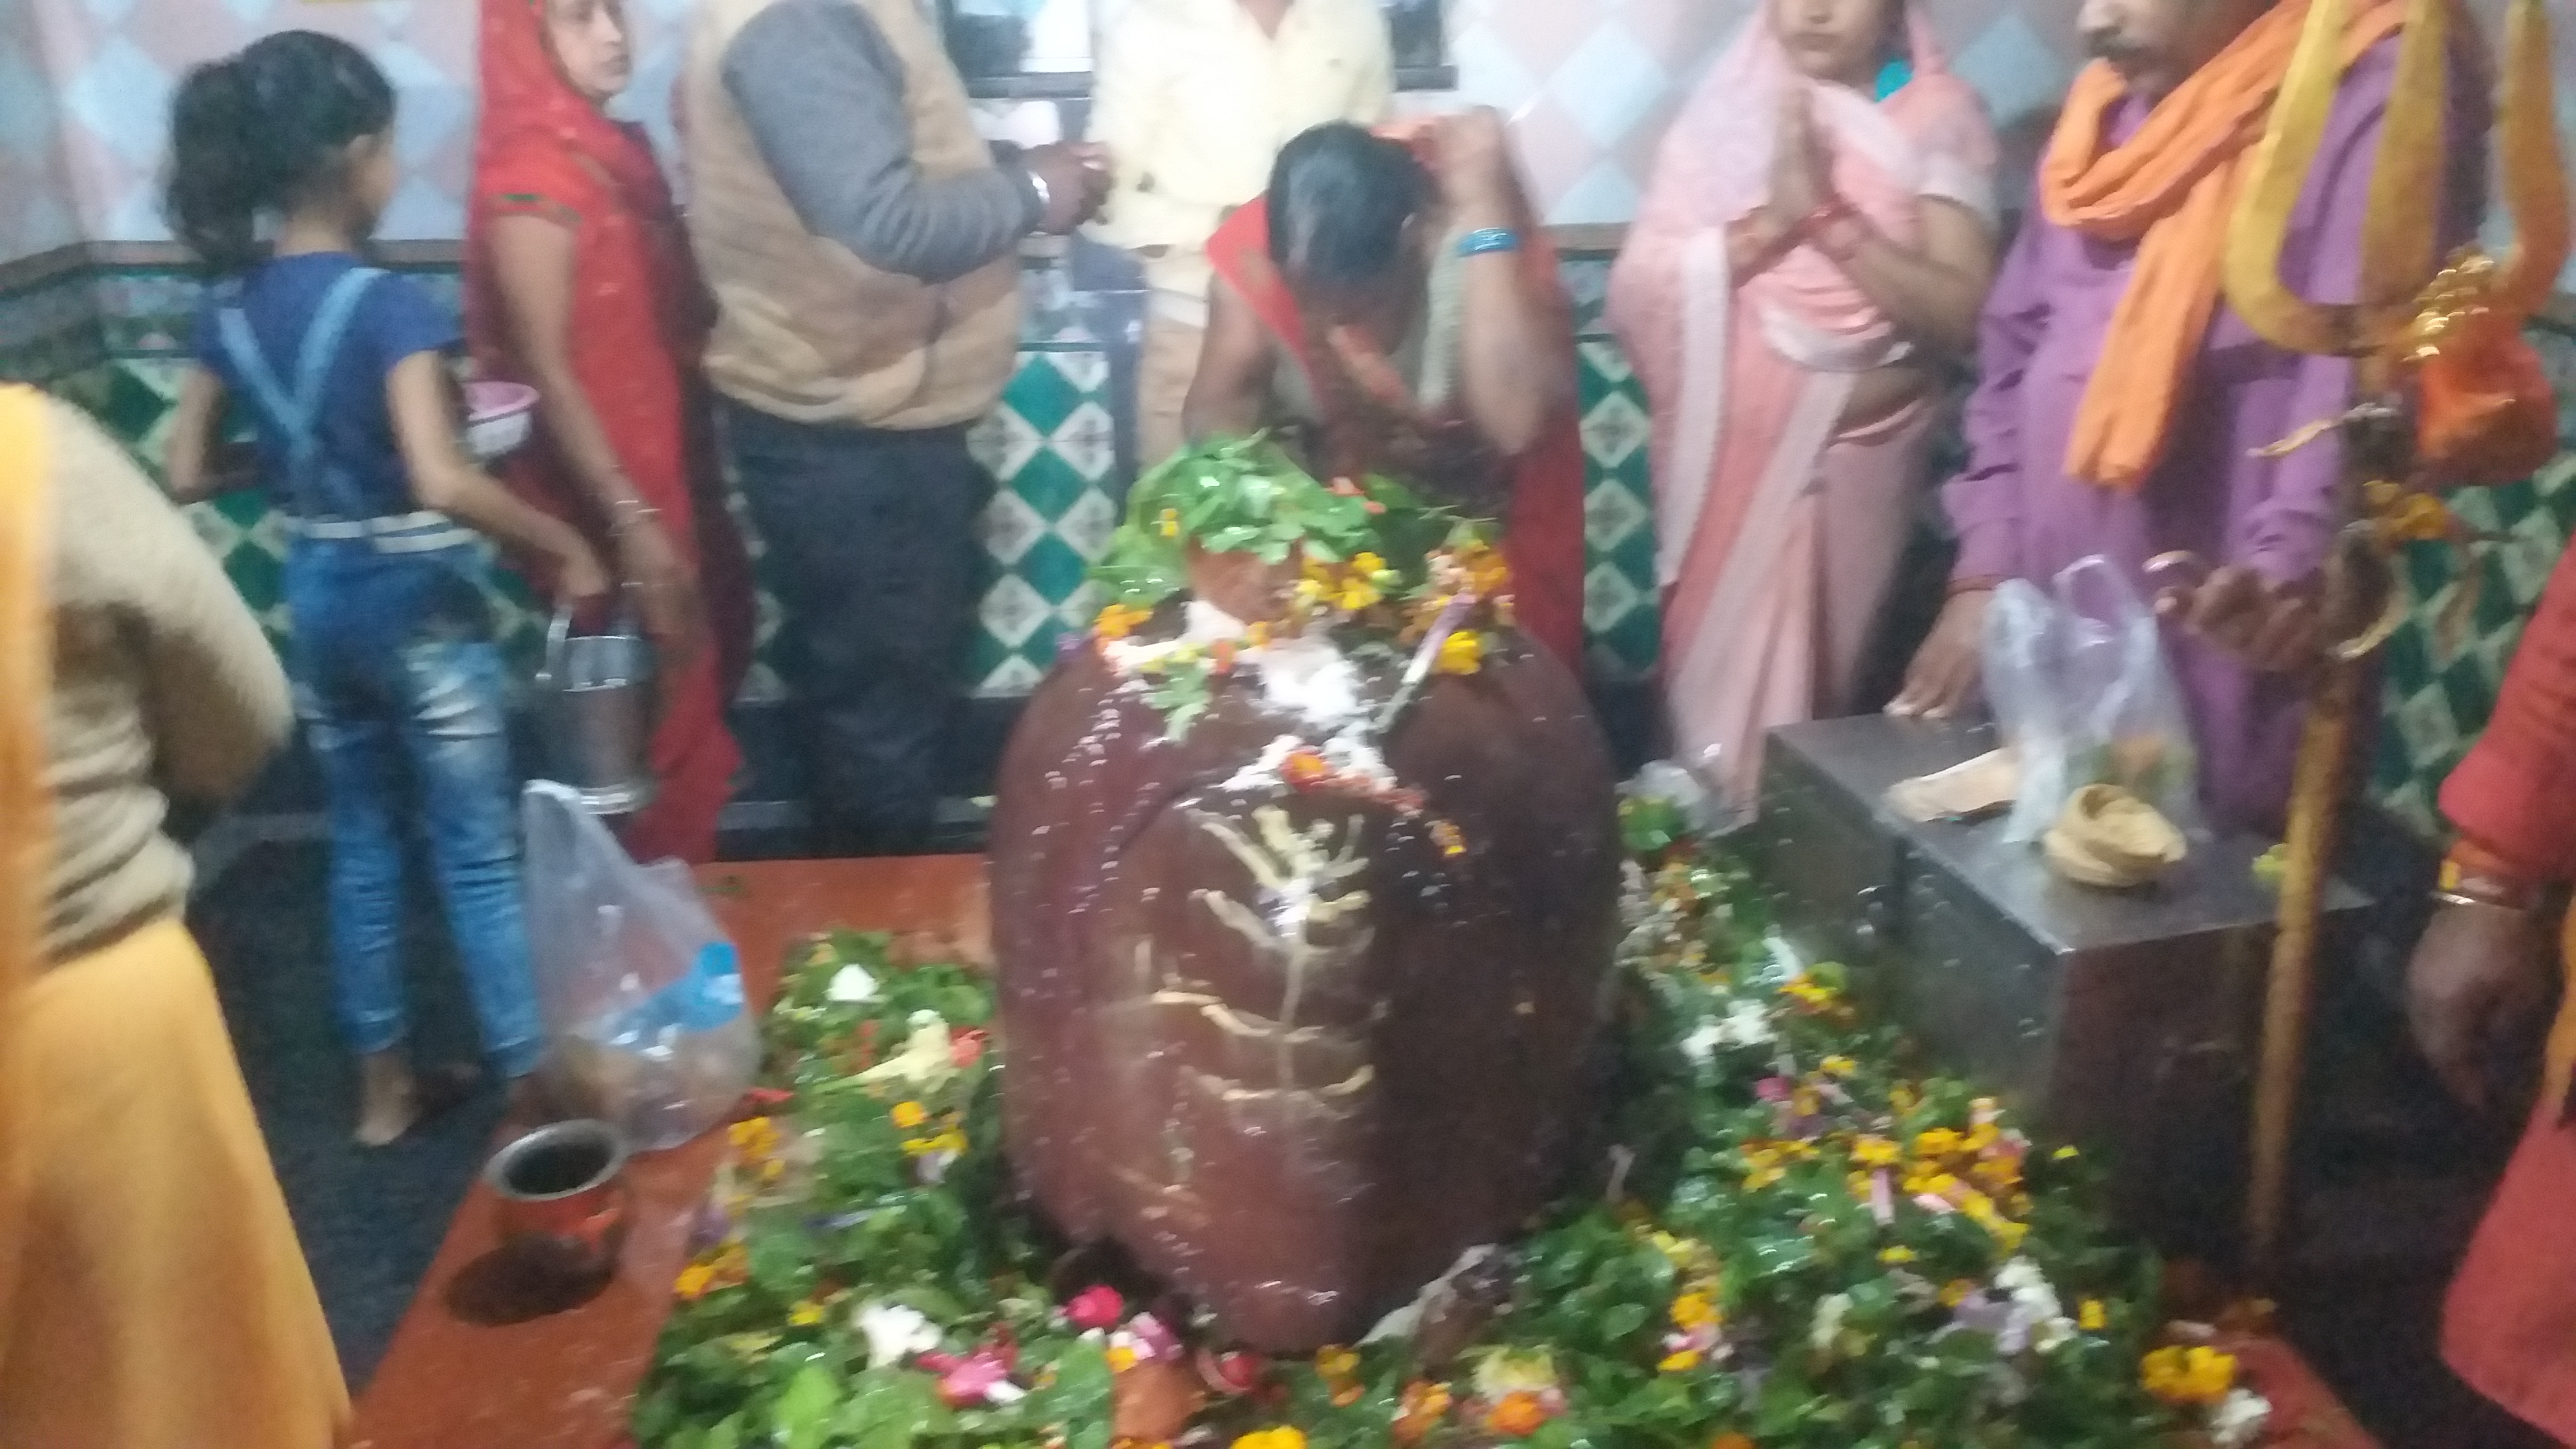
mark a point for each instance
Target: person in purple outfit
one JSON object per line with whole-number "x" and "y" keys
{"x": 2121, "y": 404}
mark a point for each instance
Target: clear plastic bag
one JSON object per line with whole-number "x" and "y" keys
{"x": 2083, "y": 695}
{"x": 641, "y": 990}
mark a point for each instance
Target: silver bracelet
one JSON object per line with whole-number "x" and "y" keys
{"x": 1046, "y": 193}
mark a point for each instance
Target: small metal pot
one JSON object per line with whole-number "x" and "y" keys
{"x": 561, "y": 1197}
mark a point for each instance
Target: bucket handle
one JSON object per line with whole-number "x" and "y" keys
{"x": 559, "y": 634}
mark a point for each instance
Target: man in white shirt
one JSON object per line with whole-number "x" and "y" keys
{"x": 1193, "y": 102}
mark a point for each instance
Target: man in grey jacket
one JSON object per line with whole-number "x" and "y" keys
{"x": 862, "y": 243}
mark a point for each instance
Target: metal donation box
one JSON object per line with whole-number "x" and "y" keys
{"x": 2123, "y": 1021}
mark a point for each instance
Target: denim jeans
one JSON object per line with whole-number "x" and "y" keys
{"x": 871, "y": 546}
{"x": 396, "y": 672}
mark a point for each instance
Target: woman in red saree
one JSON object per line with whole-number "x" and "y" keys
{"x": 579, "y": 282}
{"x": 1426, "y": 336}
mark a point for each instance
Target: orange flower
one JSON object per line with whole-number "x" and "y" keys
{"x": 1517, "y": 1417}
{"x": 1305, "y": 769}
{"x": 1117, "y": 621}
{"x": 1730, "y": 1440}
{"x": 1423, "y": 1407}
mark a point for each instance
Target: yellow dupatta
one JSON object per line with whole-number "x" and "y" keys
{"x": 26, "y": 804}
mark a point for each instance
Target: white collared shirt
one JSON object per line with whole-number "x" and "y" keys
{"x": 1194, "y": 102}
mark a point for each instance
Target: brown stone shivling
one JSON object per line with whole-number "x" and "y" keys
{"x": 1298, "y": 1049}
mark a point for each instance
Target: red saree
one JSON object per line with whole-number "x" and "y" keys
{"x": 1543, "y": 526}
{"x": 639, "y": 324}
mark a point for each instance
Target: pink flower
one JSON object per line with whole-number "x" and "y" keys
{"x": 982, "y": 1377}
{"x": 1772, "y": 1089}
{"x": 965, "y": 1044}
{"x": 1152, "y": 1339}
{"x": 1099, "y": 1307}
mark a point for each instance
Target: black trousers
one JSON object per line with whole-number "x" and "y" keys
{"x": 871, "y": 551}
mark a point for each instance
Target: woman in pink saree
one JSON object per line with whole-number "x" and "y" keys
{"x": 1817, "y": 240}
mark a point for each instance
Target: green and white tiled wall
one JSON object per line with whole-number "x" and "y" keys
{"x": 112, "y": 344}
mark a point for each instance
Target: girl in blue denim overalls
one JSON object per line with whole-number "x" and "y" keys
{"x": 341, "y": 369}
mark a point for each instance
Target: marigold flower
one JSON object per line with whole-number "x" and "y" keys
{"x": 1956, "y": 1291}
{"x": 1336, "y": 1362}
{"x": 1257, "y": 636}
{"x": 1896, "y": 1256}
{"x": 805, "y": 1314}
{"x": 1424, "y": 1405}
{"x": 1518, "y": 1416}
{"x": 2188, "y": 1376}
{"x": 1121, "y": 1358}
{"x": 908, "y": 1115}
{"x": 1171, "y": 523}
{"x": 2092, "y": 1317}
{"x": 1937, "y": 1143}
{"x": 1305, "y": 768}
{"x": 755, "y": 1136}
{"x": 1679, "y": 1363}
{"x": 1903, "y": 1097}
{"x": 1462, "y": 653}
{"x": 1872, "y": 1151}
{"x": 1838, "y": 1066}
{"x": 1368, "y": 563}
{"x": 1283, "y": 1437}
{"x": 1117, "y": 621}
{"x": 1694, "y": 1310}
{"x": 694, "y": 1282}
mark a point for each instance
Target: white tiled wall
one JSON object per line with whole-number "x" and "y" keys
{"x": 1593, "y": 84}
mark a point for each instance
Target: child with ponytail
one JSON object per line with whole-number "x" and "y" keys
{"x": 282, "y": 161}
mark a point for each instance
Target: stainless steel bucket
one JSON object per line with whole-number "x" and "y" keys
{"x": 595, "y": 695}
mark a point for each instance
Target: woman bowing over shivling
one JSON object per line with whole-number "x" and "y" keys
{"x": 1817, "y": 239}
{"x": 579, "y": 282}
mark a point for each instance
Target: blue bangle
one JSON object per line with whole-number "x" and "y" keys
{"x": 1490, "y": 240}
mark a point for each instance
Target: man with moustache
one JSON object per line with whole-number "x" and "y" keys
{"x": 2121, "y": 403}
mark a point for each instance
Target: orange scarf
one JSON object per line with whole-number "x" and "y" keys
{"x": 2171, "y": 189}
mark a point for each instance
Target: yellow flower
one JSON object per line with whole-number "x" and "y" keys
{"x": 1368, "y": 564}
{"x": 2196, "y": 1375}
{"x": 754, "y": 1136}
{"x": 1762, "y": 1177}
{"x": 1257, "y": 636}
{"x": 1896, "y": 1256}
{"x": 2092, "y": 1317}
{"x": 1874, "y": 1152}
{"x": 2065, "y": 1154}
{"x": 1903, "y": 1097}
{"x": 1838, "y": 1066}
{"x": 805, "y": 1314}
{"x": 1956, "y": 1291}
{"x": 1121, "y": 1358}
{"x": 1117, "y": 621}
{"x": 1336, "y": 1363}
{"x": 695, "y": 1280}
{"x": 908, "y": 1115}
{"x": 1939, "y": 1142}
{"x": 1462, "y": 653}
{"x": 1279, "y": 1438}
{"x": 1679, "y": 1363}
{"x": 1812, "y": 994}
{"x": 1694, "y": 1310}
{"x": 1171, "y": 523}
